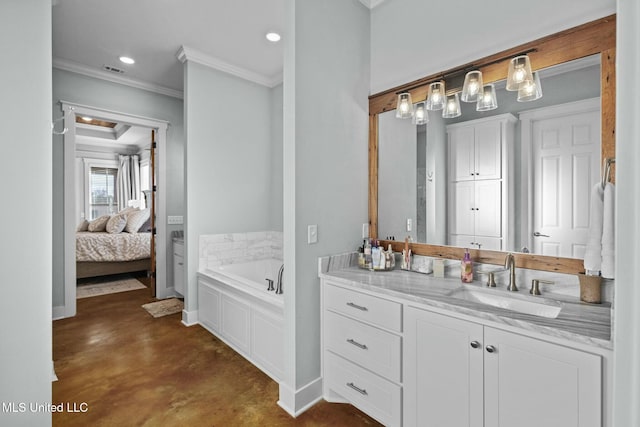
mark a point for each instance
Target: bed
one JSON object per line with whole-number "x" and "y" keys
{"x": 101, "y": 253}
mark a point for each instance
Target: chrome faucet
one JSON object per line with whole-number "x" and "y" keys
{"x": 510, "y": 264}
{"x": 279, "y": 282}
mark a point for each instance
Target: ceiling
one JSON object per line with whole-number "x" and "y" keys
{"x": 226, "y": 34}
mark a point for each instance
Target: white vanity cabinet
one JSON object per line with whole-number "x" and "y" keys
{"x": 479, "y": 180}
{"x": 362, "y": 347}
{"x": 460, "y": 373}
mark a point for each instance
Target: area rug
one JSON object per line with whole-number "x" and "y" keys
{"x": 93, "y": 290}
{"x": 164, "y": 307}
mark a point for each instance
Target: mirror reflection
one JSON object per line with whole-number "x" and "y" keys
{"x": 516, "y": 178}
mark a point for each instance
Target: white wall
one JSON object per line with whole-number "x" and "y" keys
{"x": 275, "y": 199}
{"x": 326, "y": 84}
{"x": 227, "y": 160}
{"x": 411, "y": 39}
{"x": 627, "y": 296}
{"x": 84, "y": 90}
{"x": 25, "y": 177}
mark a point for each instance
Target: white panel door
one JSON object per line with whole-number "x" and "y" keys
{"x": 488, "y": 208}
{"x": 566, "y": 161}
{"x": 442, "y": 371}
{"x": 488, "y": 153}
{"x": 532, "y": 383}
{"x": 464, "y": 208}
{"x": 462, "y": 153}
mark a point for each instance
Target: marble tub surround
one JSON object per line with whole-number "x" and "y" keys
{"x": 233, "y": 248}
{"x": 579, "y": 322}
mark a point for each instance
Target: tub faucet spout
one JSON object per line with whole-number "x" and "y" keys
{"x": 279, "y": 282}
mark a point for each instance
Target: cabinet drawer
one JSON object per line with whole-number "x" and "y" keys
{"x": 368, "y": 392}
{"x": 365, "y": 345}
{"x": 370, "y": 309}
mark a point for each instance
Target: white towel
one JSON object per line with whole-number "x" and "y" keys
{"x": 593, "y": 252}
{"x": 608, "y": 233}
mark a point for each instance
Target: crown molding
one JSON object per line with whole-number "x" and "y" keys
{"x": 185, "y": 54}
{"x": 371, "y": 3}
{"x": 74, "y": 67}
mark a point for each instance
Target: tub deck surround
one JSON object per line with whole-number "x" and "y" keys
{"x": 578, "y": 322}
{"x": 232, "y": 248}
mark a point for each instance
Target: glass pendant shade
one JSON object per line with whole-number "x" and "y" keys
{"x": 404, "y": 108}
{"x": 420, "y": 114}
{"x": 530, "y": 90}
{"x": 487, "y": 98}
{"x": 472, "y": 86}
{"x": 519, "y": 71}
{"x": 452, "y": 108}
{"x": 435, "y": 96}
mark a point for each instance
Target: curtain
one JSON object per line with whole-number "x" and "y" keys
{"x": 128, "y": 181}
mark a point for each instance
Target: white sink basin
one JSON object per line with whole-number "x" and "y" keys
{"x": 514, "y": 302}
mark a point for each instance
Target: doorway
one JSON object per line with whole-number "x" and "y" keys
{"x": 71, "y": 212}
{"x": 564, "y": 144}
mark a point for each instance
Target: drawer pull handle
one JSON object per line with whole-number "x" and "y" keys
{"x": 358, "y": 389}
{"x": 359, "y": 307}
{"x": 357, "y": 344}
{"x": 180, "y": 263}
{"x": 475, "y": 344}
{"x": 491, "y": 349}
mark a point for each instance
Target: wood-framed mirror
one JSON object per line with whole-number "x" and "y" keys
{"x": 597, "y": 38}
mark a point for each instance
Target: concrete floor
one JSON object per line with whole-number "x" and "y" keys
{"x": 118, "y": 366}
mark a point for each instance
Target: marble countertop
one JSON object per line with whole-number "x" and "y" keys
{"x": 579, "y": 322}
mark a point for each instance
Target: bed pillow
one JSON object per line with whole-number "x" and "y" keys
{"x": 116, "y": 223}
{"x": 135, "y": 220}
{"x": 146, "y": 227}
{"x": 127, "y": 210}
{"x": 83, "y": 226}
{"x": 99, "y": 224}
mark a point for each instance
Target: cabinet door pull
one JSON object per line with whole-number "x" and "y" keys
{"x": 359, "y": 307}
{"x": 358, "y": 389}
{"x": 491, "y": 349}
{"x": 180, "y": 263}
{"x": 475, "y": 344}
{"x": 357, "y": 344}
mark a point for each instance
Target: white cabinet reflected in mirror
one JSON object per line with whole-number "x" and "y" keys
{"x": 545, "y": 159}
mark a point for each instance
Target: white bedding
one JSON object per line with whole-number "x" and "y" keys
{"x": 112, "y": 247}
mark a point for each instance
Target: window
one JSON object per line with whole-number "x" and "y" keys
{"x": 102, "y": 191}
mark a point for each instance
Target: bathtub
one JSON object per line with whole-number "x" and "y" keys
{"x": 235, "y": 306}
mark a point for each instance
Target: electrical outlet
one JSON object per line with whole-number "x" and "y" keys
{"x": 365, "y": 230}
{"x": 174, "y": 219}
{"x": 312, "y": 234}
{"x": 409, "y": 224}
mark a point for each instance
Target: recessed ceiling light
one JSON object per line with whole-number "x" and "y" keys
{"x": 127, "y": 60}
{"x": 273, "y": 37}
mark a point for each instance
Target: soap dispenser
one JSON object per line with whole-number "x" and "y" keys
{"x": 466, "y": 268}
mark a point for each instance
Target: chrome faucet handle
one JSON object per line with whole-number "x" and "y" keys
{"x": 269, "y": 284}
{"x": 535, "y": 290}
{"x": 510, "y": 264}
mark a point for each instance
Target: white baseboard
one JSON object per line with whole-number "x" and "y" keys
{"x": 59, "y": 312}
{"x": 189, "y": 318}
{"x": 54, "y": 377}
{"x": 295, "y": 402}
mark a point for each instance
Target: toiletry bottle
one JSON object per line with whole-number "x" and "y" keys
{"x": 367, "y": 254}
{"x": 361, "y": 254}
{"x": 466, "y": 268}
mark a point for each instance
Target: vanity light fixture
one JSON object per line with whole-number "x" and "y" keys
{"x": 420, "y": 114}
{"x": 436, "y": 97}
{"x": 127, "y": 60}
{"x": 404, "y": 108}
{"x": 472, "y": 86}
{"x": 452, "y": 108}
{"x": 87, "y": 118}
{"x": 487, "y": 98}
{"x": 519, "y": 71}
{"x": 530, "y": 90}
